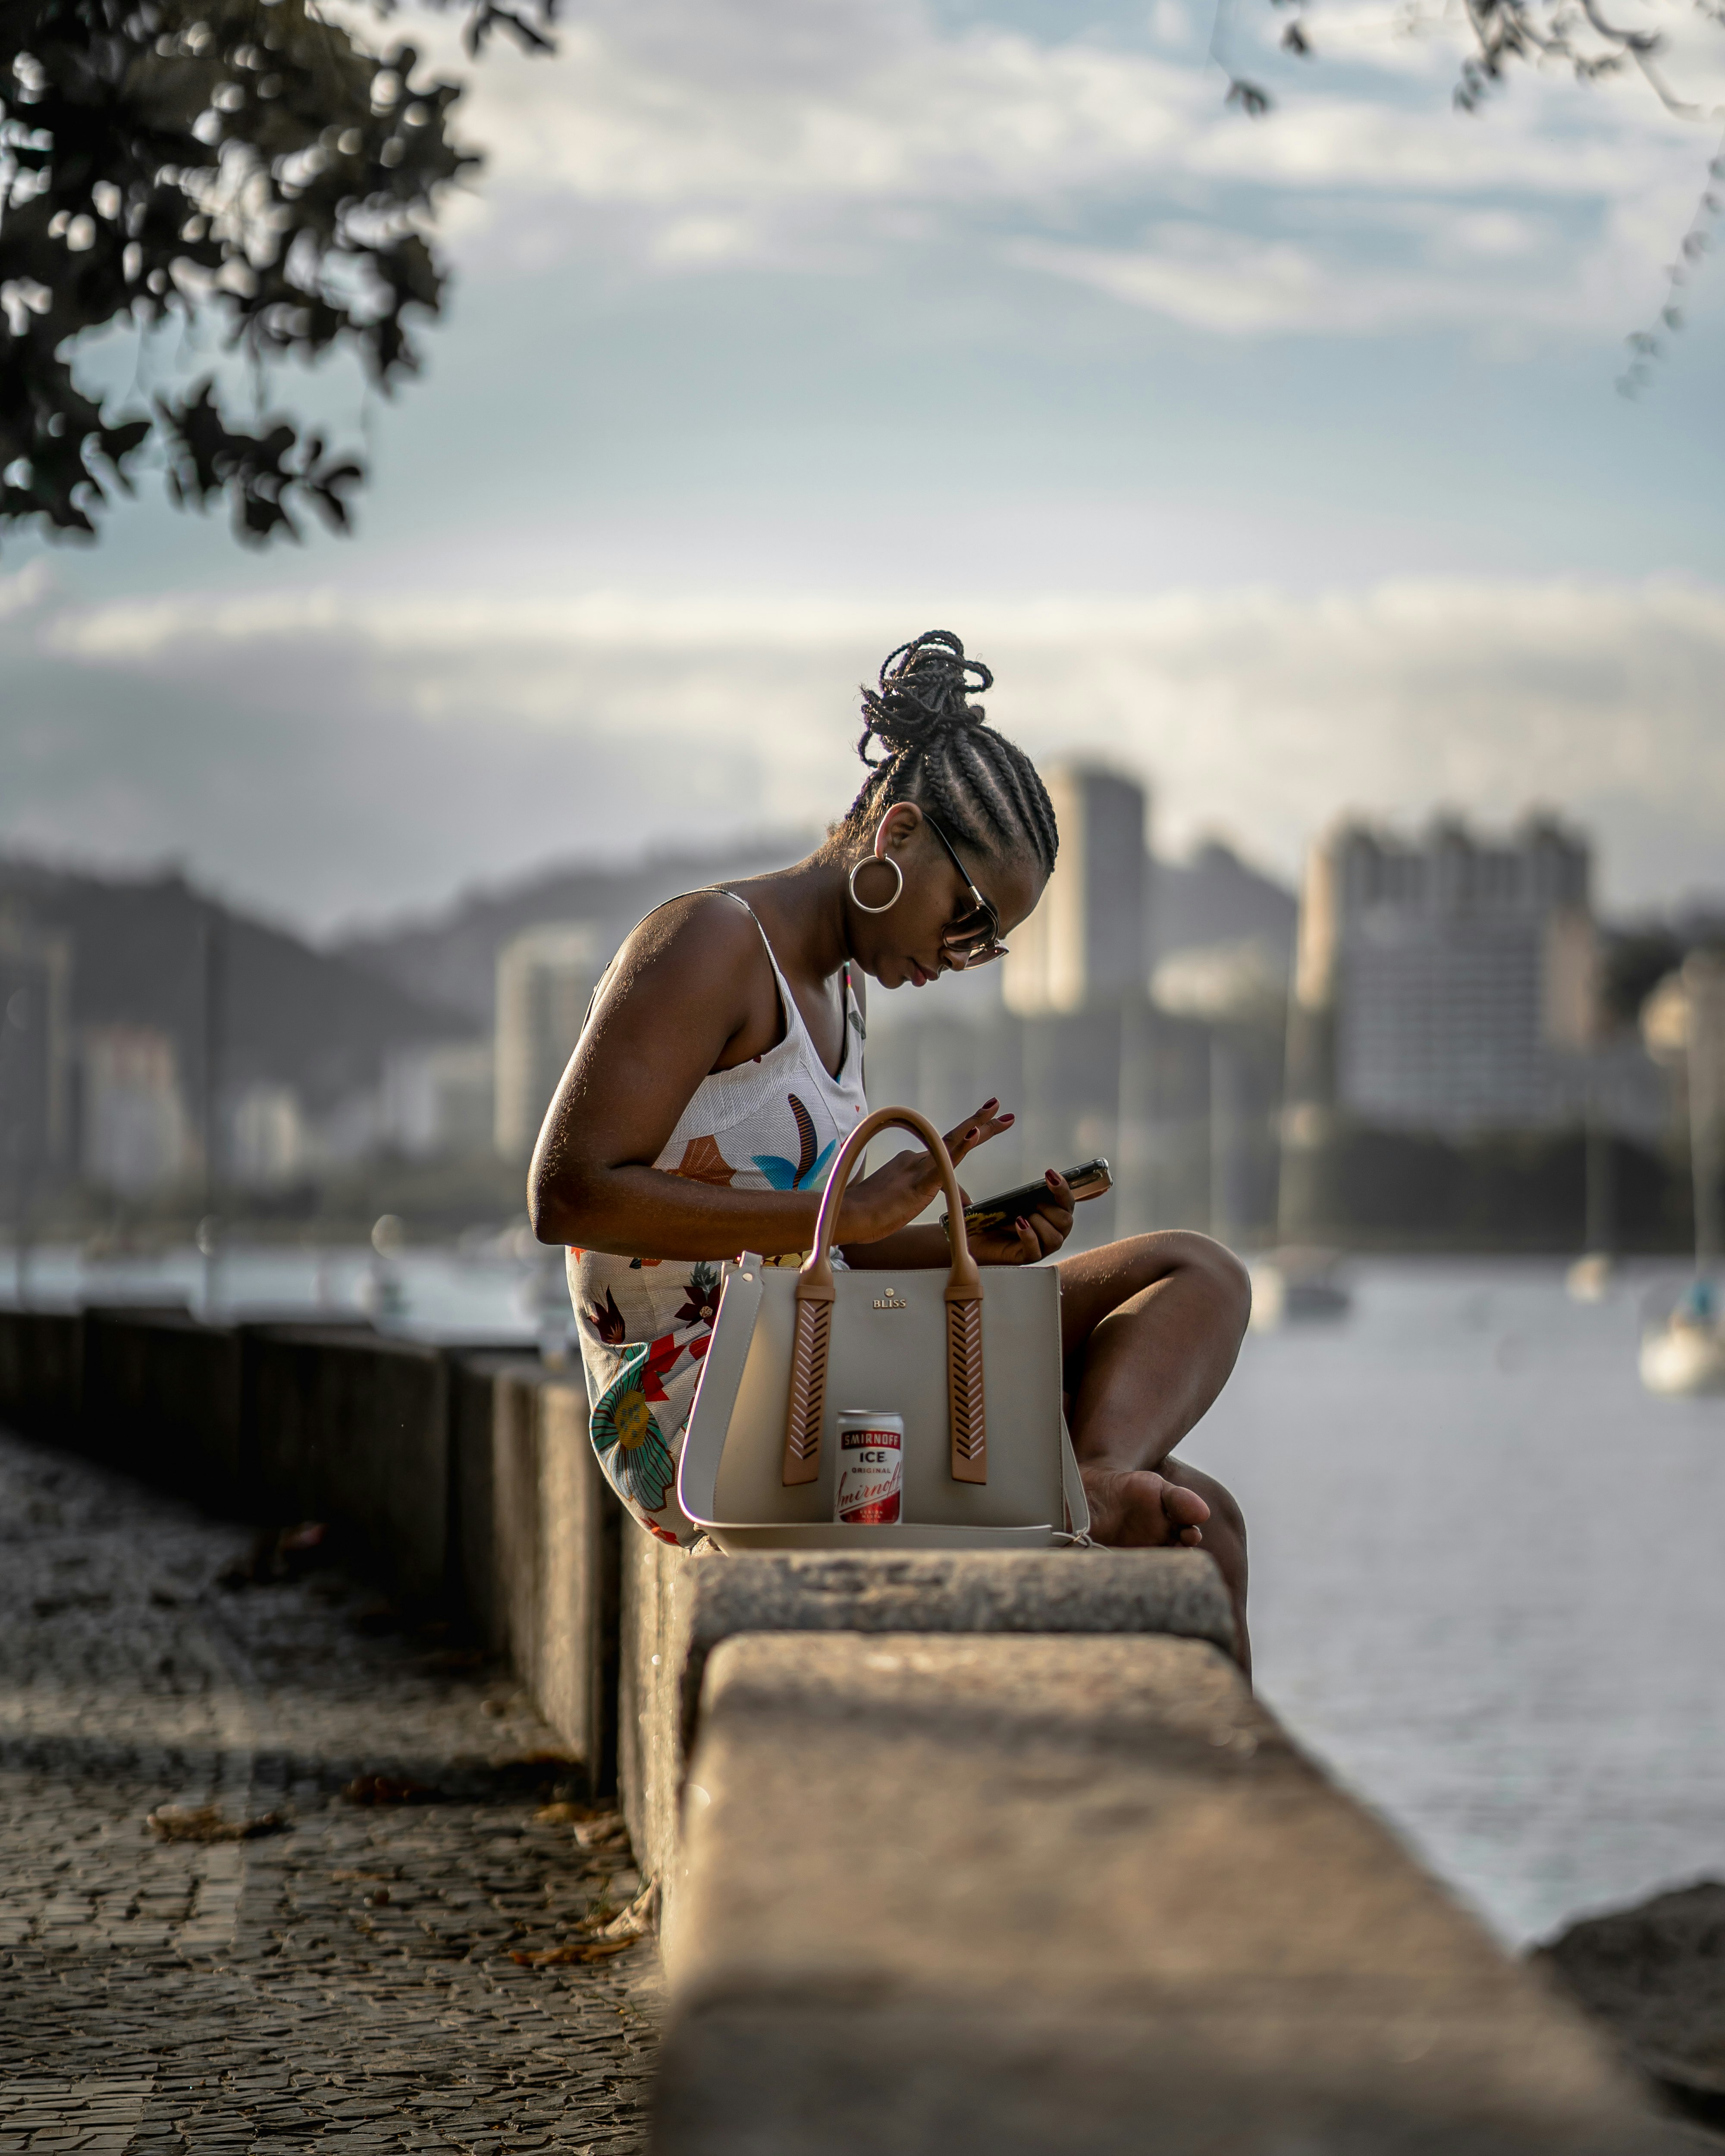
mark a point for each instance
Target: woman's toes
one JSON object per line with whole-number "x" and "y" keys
{"x": 1186, "y": 1510}
{"x": 1137, "y": 1509}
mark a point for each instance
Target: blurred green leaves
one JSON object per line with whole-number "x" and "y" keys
{"x": 243, "y": 168}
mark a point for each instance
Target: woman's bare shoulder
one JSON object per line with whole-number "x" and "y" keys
{"x": 699, "y": 953}
{"x": 700, "y": 958}
{"x": 698, "y": 928}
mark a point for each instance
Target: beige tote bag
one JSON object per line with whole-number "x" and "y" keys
{"x": 970, "y": 1358}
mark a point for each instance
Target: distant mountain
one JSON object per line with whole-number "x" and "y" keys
{"x": 450, "y": 960}
{"x": 286, "y": 1011}
{"x": 1214, "y": 898}
{"x": 323, "y": 1020}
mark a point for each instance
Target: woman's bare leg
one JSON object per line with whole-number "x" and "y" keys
{"x": 1224, "y": 1537}
{"x": 1151, "y": 1329}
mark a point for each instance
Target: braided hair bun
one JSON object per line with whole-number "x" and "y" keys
{"x": 924, "y": 685}
{"x": 940, "y": 751}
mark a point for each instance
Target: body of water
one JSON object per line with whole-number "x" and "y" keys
{"x": 504, "y": 1288}
{"x": 1488, "y": 1585}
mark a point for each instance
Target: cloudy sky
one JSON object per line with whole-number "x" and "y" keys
{"x": 1279, "y": 459}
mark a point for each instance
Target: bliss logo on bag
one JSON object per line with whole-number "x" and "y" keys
{"x": 871, "y": 1468}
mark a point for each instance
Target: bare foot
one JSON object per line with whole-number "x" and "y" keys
{"x": 1134, "y": 1508}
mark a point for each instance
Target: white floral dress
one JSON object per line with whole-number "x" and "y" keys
{"x": 774, "y": 1123}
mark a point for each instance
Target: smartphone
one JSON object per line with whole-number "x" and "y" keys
{"x": 1089, "y": 1181}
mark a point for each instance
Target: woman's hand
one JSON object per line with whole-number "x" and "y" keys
{"x": 879, "y": 1204}
{"x": 1031, "y": 1236}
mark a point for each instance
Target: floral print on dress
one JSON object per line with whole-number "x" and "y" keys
{"x": 701, "y": 1305}
{"x": 703, "y": 1162}
{"x": 800, "y": 1174}
{"x": 606, "y": 1320}
{"x": 630, "y": 1445}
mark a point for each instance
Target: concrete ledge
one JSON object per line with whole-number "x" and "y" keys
{"x": 42, "y": 1374}
{"x": 988, "y": 1896}
{"x": 678, "y": 1608}
{"x": 650, "y": 1750}
{"x": 161, "y": 1400}
{"x": 472, "y": 1579}
{"x": 555, "y": 1547}
{"x": 1178, "y": 1591}
{"x": 352, "y": 1428}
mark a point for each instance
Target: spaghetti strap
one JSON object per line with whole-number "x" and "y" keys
{"x": 784, "y": 986}
{"x": 793, "y": 1017}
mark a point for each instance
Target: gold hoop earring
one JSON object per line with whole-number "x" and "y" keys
{"x": 886, "y": 861}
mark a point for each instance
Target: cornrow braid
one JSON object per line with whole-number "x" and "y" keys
{"x": 940, "y": 752}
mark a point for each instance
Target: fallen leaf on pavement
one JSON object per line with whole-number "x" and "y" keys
{"x": 634, "y": 1923}
{"x": 277, "y": 1554}
{"x": 205, "y": 1823}
{"x": 387, "y": 1789}
{"x": 606, "y": 1831}
{"x": 573, "y": 1950}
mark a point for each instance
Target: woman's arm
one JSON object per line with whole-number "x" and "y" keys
{"x": 692, "y": 991}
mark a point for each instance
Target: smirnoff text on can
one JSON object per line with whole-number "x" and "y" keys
{"x": 871, "y": 1468}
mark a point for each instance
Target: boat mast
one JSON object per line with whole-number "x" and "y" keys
{"x": 1704, "y": 979}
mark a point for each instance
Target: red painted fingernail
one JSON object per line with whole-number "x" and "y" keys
{"x": 1008, "y": 1119}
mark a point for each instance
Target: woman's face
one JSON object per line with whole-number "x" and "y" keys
{"x": 904, "y": 942}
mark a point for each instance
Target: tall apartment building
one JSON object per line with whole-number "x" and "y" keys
{"x": 1084, "y": 945}
{"x": 137, "y": 1135}
{"x": 266, "y": 1144}
{"x": 35, "y": 1047}
{"x": 544, "y": 979}
{"x": 439, "y": 1098}
{"x": 1445, "y": 984}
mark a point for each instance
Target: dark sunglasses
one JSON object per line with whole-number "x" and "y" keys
{"x": 973, "y": 939}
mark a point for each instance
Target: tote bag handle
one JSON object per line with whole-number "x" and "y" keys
{"x": 813, "y": 1338}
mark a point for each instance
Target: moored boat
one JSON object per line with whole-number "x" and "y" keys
{"x": 1686, "y": 1356}
{"x": 1295, "y": 1286}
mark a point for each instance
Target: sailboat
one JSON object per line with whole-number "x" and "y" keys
{"x": 1686, "y": 1356}
{"x": 1295, "y": 1285}
{"x": 1591, "y": 1277}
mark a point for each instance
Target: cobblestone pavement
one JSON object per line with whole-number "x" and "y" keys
{"x": 346, "y": 1982}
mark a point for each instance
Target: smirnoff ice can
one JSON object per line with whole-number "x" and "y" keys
{"x": 871, "y": 1468}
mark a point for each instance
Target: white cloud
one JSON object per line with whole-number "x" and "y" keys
{"x": 402, "y": 746}
{"x": 690, "y": 137}
{"x": 1212, "y": 279}
{"x": 25, "y": 591}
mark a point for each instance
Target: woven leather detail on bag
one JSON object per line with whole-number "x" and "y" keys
{"x": 964, "y": 1392}
{"x": 807, "y": 1392}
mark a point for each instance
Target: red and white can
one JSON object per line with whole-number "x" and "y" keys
{"x": 871, "y": 1468}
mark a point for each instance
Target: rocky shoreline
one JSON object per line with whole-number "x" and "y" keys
{"x": 1654, "y": 1974}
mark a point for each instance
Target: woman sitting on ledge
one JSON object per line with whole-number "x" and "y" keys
{"x": 720, "y": 1068}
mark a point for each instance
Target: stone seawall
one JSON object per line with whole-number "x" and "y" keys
{"x": 988, "y": 1854}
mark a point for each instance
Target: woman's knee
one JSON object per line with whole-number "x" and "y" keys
{"x": 1133, "y": 1262}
